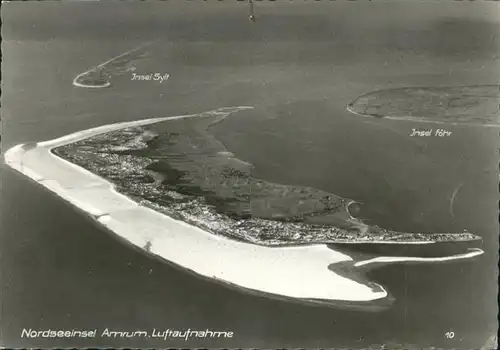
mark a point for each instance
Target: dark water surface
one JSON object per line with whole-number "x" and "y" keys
{"x": 299, "y": 67}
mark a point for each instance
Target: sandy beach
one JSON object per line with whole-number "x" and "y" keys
{"x": 306, "y": 273}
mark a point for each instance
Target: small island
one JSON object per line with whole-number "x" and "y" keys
{"x": 101, "y": 75}
{"x": 459, "y": 105}
{"x": 95, "y": 78}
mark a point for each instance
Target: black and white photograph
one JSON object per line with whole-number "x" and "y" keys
{"x": 250, "y": 174}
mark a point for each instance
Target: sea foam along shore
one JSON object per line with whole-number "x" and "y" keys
{"x": 299, "y": 272}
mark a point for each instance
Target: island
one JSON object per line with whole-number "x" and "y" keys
{"x": 167, "y": 186}
{"x": 454, "y": 105}
{"x": 178, "y": 168}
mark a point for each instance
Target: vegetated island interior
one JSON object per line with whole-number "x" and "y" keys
{"x": 177, "y": 167}
{"x": 469, "y": 105}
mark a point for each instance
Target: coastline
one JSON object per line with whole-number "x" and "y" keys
{"x": 265, "y": 270}
{"x": 444, "y": 94}
{"x": 181, "y": 170}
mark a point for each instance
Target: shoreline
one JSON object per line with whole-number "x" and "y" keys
{"x": 138, "y": 171}
{"x": 100, "y": 70}
{"x": 353, "y": 107}
{"x": 298, "y": 272}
